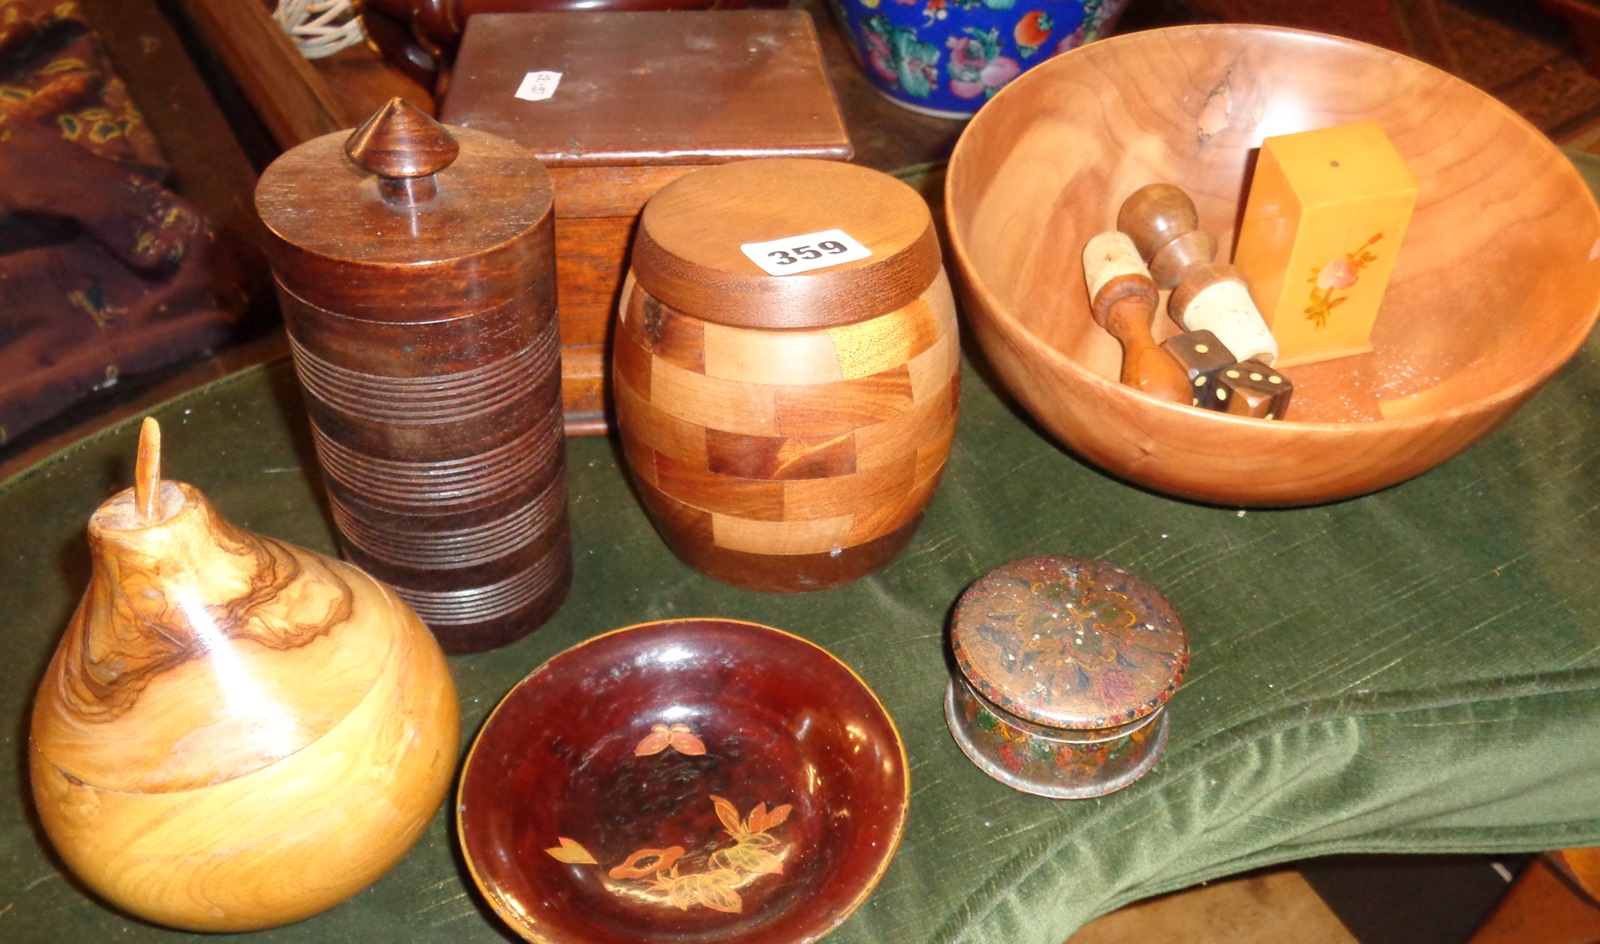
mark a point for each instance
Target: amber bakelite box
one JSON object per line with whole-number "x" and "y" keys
{"x": 616, "y": 105}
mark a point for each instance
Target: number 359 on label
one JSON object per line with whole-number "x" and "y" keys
{"x": 795, "y": 254}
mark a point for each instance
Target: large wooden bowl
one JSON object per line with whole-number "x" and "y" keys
{"x": 695, "y": 780}
{"x": 1495, "y": 286}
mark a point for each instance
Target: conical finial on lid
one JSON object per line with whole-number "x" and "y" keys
{"x": 405, "y": 148}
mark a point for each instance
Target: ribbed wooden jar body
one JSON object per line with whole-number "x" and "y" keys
{"x": 431, "y": 369}
{"x": 794, "y": 457}
{"x": 444, "y": 466}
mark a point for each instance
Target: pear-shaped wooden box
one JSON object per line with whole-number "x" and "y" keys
{"x": 234, "y": 733}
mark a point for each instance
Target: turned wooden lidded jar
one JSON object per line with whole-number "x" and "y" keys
{"x": 1064, "y": 669}
{"x": 786, "y": 369}
{"x": 415, "y": 267}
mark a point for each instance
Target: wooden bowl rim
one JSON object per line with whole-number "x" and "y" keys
{"x": 886, "y": 853}
{"x": 1554, "y": 359}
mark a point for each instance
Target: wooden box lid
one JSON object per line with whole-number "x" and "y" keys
{"x": 692, "y": 251}
{"x": 653, "y": 88}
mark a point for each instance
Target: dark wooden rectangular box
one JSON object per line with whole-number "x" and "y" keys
{"x": 642, "y": 99}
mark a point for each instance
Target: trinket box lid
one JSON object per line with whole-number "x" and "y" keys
{"x": 1069, "y": 642}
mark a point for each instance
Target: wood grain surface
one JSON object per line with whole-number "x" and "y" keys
{"x": 644, "y": 98}
{"x": 422, "y": 318}
{"x": 1505, "y": 234}
{"x": 234, "y": 733}
{"x": 793, "y": 447}
{"x": 692, "y": 268}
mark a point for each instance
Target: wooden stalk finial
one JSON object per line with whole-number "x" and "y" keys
{"x": 147, "y": 473}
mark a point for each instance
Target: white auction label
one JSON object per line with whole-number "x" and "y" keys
{"x": 538, "y": 86}
{"x": 796, "y": 254}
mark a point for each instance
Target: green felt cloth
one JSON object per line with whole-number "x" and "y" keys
{"x": 1416, "y": 671}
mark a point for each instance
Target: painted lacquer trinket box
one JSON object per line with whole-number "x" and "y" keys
{"x": 1065, "y": 667}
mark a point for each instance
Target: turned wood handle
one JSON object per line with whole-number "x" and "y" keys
{"x": 1145, "y": 366}
{"x": 1165, "y": 227}
{"x": 1155, "y": 215}
{"x": 1123, "y": 300}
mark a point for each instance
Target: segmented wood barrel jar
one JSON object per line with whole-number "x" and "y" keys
{"x": 785, "y": 370}
{"x": 415, "y": 266}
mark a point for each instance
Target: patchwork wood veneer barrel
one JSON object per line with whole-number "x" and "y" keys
{"x": 415, "y": 266}
{"x": 786, "y": 431}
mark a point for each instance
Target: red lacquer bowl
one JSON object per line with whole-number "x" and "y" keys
{"x": 687, "y": 780}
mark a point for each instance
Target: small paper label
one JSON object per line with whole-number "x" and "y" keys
{"x": 538, "y": 86}
{"x": 796, "y": 254}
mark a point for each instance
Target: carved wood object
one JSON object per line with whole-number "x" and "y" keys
{"x": 1123, "y": 299}
{"x": 1162, "y": 222}
{"x": 1504, "y": 233}
{"x": 415, "y": 271}
{"x": 642, "y": 99}
{"x": 786, "y": 431}
{"x": 234, "y": 733}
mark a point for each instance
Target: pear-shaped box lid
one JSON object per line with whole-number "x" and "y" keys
{"x": 1069, "y": 642}
{"x": 786, "y": 243}
{"x": 202, "y": 653}
{"x": 405, "y": 219}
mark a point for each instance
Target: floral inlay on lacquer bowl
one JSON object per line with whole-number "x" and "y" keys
{"x": 698, "y": 779}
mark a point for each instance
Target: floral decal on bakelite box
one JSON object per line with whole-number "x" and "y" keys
{"x": 1335, "y": 276}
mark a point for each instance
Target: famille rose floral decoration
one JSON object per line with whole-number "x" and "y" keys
{"x": 950, "y": 56}
{"x": 664, "y": 876}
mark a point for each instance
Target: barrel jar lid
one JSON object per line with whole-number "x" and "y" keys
{"x": 1069, "y": 643}
{"x": 700, "y": 236}
{"x": 405, "y": 213}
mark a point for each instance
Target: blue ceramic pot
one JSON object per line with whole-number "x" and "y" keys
{"x": 948, "y": 57}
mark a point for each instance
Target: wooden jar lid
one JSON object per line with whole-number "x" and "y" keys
{"x": 1069, "y": 643}
{"x": 688, "y": 255}
{"x": 405, "y": 219}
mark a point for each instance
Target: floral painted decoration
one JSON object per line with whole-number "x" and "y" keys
{"x": 678, "y": 737}
{"x": 949, "y": 56}
{"x": 976, "y": 66}
{"x": 1337, "y": 275}
{"x": 1069, "y": 642}
{"x": 898, "y": 57}
{"x": 656, "y": 875}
